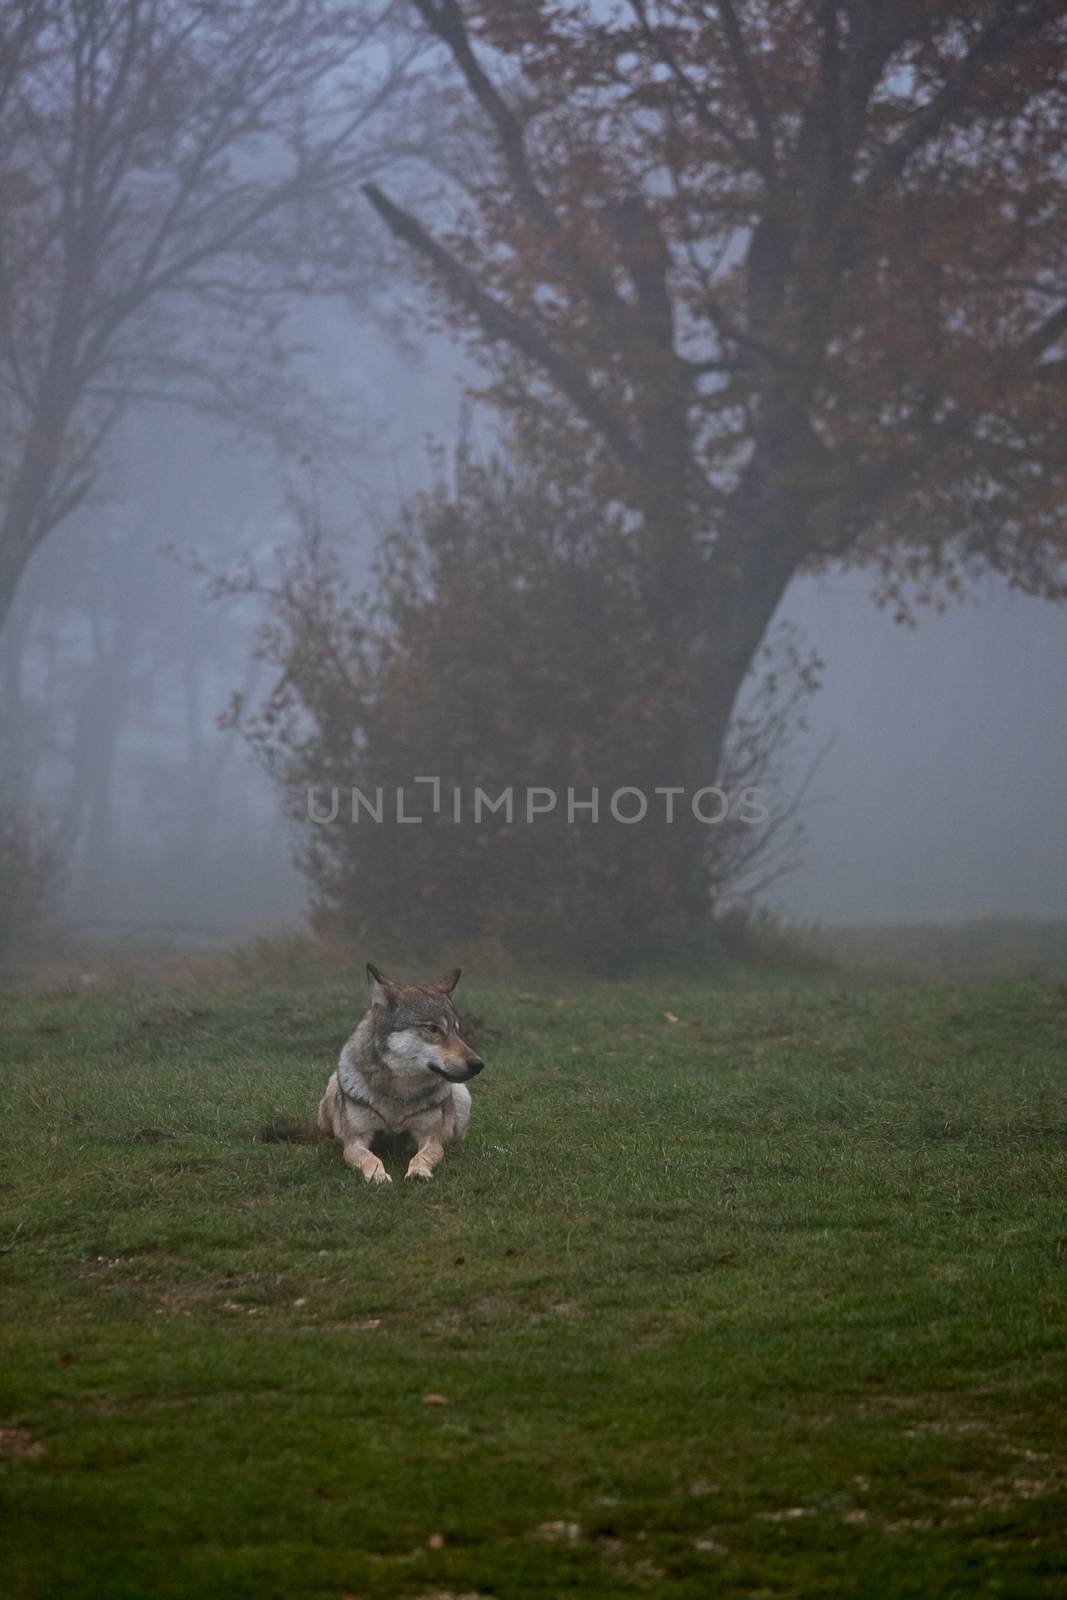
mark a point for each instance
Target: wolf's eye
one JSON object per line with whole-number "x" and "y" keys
{"x": 430, "y": 1030}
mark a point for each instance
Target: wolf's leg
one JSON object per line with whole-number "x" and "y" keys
{"x": 461, "y": 1100}
{"x": 360, "y": 1155}
{"x": 325, "y": 1119}
{"x": 426, "y": 1156}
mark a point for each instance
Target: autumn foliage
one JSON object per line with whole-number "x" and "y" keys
{"x": 788, "y": 280}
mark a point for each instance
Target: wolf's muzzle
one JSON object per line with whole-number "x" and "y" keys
{"x": 471, "y": 1068}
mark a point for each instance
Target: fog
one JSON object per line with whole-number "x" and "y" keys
{"x": 944, "y": 791}
{"x": 939, "y": 788}
{"x": 934, "y": 755}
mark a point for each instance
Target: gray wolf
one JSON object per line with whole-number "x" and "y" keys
{"x": 404, "y": 1071}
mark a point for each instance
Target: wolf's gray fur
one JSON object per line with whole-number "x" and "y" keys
{"x": 403, "y": 1071}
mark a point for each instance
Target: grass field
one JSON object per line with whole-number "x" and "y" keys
{"x": 990, "y": 947}
{"x": 754, "y": 1288}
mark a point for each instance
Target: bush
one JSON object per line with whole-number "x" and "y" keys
{"x": 505, "y": 643}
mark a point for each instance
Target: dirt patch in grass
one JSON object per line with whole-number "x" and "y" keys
{"x": 1028, "y": 1475}
{"x": 485, "y": 1310}
{"x": 254, "y": 1294}
{"x": 1008, "y": 1474}
{"x": 18, "y": 1443}
{"x": 91, "y": 1266}
{"x": 439, "y": 1594}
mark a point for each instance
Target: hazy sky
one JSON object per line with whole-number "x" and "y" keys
{"x": 944, "y": 793}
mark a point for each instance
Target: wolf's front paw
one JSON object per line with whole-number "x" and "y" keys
{"x": 375, "y": 1173}
{"x": 419, "y": 1167}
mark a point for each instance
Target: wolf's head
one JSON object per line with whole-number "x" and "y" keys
{"x": 416, "y": 1028}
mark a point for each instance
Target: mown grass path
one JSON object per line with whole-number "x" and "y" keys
{"x": 755, "y": 1288}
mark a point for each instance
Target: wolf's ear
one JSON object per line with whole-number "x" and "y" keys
{"x": 382, "y": 992}
{"x": 446, "y": 984}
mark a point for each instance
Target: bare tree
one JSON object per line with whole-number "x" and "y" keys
{"x": 174, "y": 176}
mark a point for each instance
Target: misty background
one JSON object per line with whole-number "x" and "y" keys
{"x": 939, "y": 788}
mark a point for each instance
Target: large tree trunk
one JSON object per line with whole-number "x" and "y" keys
{"x": 15, "y": 552}
{"x": 36, "y": 503}
{"x": 725, "y": 614}
{"x": 15, "y": 762}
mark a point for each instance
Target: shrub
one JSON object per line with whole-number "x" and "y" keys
{"x": 505, "y": 643}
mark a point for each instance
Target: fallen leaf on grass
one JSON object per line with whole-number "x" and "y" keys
{"x": 436, "y": 1400}
{"x": 568, "y": 1531}
{"x": 669, "y": 1016}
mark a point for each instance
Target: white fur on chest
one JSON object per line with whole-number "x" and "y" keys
{"x": 392, "y": 1097}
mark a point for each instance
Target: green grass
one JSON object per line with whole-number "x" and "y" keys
{"x": 987, "y": 948}
{"x": 767, "y": 1300}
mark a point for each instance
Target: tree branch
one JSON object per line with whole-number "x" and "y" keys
{"x": 712, "y": 121}
{"x": 504, "y": 326}
{"x": 1006, "y": 27}
{"x": 750, "y": 85}
{"x": 1046, "y": 333}
{"x": 445, "y": 20}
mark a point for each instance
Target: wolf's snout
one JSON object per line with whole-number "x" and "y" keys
{"x": 474, "y": 1065}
